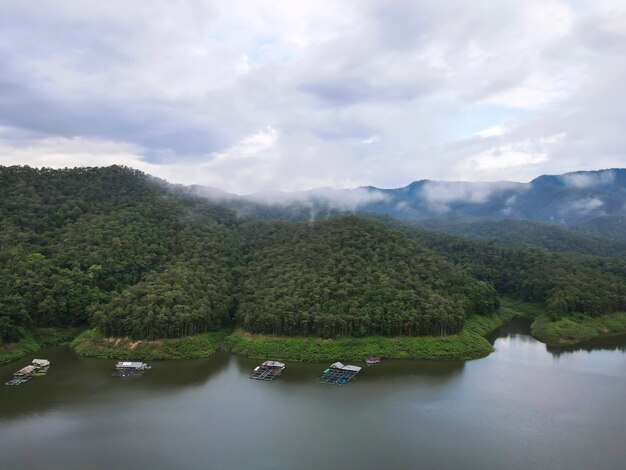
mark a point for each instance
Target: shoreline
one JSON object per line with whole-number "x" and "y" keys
{"x": 470, "y": 344}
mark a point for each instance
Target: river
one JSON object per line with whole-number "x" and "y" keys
{"x": 524, "y": 406}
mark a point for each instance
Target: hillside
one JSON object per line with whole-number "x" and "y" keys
{"x": 133, "y": 256}
{"x": 73, "y": 242}
{"x": 352, "y": 277}
{"x": 528, "y": 234}
{"x": 565, "y": 283}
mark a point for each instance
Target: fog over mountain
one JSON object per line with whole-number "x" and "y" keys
{"x": 563, "y": 199}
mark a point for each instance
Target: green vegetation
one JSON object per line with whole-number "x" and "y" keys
{"x": 31, "y": 342}
{"x": 564, "y": 283}
{"x": 92, "y": 343}
{"x": 352, "y": 277}
{"x": 132, "y": 257}
{"x": 11, "y": 352}
{"x": 469, "y": 344}
{"x": 115, "y": 248}
{"x": 571, "y": 329}
{"x": 527, "y": 234}
{"x": 577, "y": 328}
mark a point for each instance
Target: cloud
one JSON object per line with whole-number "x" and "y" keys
{"x": 584, "y": 206}
{"x": 349, "y": 199}
{"x": 588, "y": 180}
{"x": 253, "y": 96}
{"x": 439, "y": 194}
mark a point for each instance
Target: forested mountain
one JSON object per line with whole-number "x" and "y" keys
{"x": 74, "y": 240}
{"x": 135, "y": 256}
{"x": 569, "y": 199}
{"x": 528, "y": 234}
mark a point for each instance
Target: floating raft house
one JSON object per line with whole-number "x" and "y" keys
{"x": 372, "y": 360}
{"x": 339, "y": 374}
{"x": 126, "y": 369}
{"x": 25, "y": 371}
{"x": 38, "y": 367}
{"x": 22, "y": 376}
{"x": 267, "y": 371}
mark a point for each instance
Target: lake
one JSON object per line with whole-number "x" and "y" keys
{"x": 522, "y": 407}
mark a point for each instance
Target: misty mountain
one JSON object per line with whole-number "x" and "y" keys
{"x": 569, "y": 199}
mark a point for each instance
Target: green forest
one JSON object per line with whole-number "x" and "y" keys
{"x": 134, "y": 256}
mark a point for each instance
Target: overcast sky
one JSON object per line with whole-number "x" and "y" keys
{"x": 255, "y": 95}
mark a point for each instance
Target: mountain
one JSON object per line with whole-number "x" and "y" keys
{"x": 568, "y": 199}
{"x": 135, "y": 256}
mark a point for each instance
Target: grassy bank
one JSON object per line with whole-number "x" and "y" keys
{"x": 470, "y": 344}
{"x": 577, "y": 328}
{"x": 91, "y": 343}
{"x": 12, "y": 351}
{"x": 34, "y": 341}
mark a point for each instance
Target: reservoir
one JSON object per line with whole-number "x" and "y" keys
{"x": 524, "y": 406}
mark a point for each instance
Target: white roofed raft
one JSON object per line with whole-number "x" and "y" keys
{"x": 127, "y": 368}
{"x": 267, "y": 371}
{"x": 339, "y": 374}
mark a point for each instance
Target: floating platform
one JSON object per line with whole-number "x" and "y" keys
{"x": 267, "y": 371}
{"x": 338, "y": 374}
{"x": 38, "y": 367}
{"x": 372, "y": 360}
{"x": 18, "y": 380}
{"x": 127, "y": 369}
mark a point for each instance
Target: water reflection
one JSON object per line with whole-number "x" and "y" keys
{"x": 608, "y": 343}
{"x": 73, "y": 380}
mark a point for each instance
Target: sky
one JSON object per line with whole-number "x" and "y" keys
{"x": 252, "y": 96}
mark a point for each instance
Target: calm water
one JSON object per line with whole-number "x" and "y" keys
{"x": 522, "y": 407}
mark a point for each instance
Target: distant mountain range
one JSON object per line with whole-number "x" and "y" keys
{"x": 591, "y": 200}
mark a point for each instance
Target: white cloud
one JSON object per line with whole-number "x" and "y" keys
{"x": 494, "y": 131}
{"x": 342, "y": 199}
{"x": 588, "y": 180}
{"x": 439, "y": 194}
{"x": 584, "y": 206}
{"x": 258, "y": 95}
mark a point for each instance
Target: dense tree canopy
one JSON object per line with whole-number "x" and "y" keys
{"x": 134, "y": 256}
{"x": 73, "y": 241}
{"x": 352, "y": 277}
{"x": 566, "y": 283}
